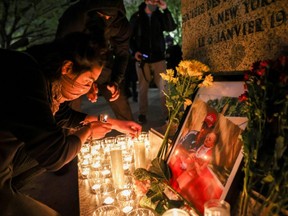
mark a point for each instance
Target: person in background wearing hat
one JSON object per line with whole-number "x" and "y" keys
{"x": 194, "y": 139}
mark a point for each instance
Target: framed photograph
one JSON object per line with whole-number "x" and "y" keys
{"x": 207, "y": 151}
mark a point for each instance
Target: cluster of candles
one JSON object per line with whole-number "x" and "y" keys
{"x": 108, "y": 164}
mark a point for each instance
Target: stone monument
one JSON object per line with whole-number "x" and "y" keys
{"x": 229, "y": 35}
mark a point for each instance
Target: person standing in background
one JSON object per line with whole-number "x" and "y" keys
{"x": 109, "y": 17}
{"x": 148, "y": 46}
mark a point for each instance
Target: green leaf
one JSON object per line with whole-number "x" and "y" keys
{"x": 175, "y": 203}
{"x": 146, "y": 202}
{"x": 142, "y": 174}
{"x": 154, "y": 195}
{"x": 269, "y": 178}
{"x": 160, "y": 169}
{"x": 161, "y": 207}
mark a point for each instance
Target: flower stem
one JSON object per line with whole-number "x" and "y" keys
{"x": 164, "y": 146}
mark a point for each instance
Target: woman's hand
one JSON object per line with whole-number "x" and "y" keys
{"x": 99, "y": 129}
{"x": 92, "y": 95}
{"x": 115, "y": 91}
{"x": 138, "y": 56}
{"x": 131, "y": 128}
{"x": 162, "y": 4}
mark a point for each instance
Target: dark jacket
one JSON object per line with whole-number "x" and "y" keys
{"x": 82, "y": 17}
{"x": 173, "y": 56}
{"x": 147, "y": 33}
{"x": 26, "y": 120}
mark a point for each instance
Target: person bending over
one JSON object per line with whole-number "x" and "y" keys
{"x": 108, "y": 17}
{"x": 32, "y": 140}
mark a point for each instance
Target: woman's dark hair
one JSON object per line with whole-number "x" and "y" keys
{"x": 84, "y": 51}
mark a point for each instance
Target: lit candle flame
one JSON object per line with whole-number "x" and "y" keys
{"x": 108, "y": 200}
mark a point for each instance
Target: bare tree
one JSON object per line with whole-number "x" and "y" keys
{"x": 28, "y": 22}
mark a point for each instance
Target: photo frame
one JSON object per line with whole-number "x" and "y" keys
{"x": 207, "y": 151}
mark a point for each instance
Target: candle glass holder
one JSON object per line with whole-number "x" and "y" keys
{"x": 85, "y": 148}
{"x": 128, "y": 182}
{"x": 142, "y": 212}
{"x": 128, "y": 167}
{"x": 126, "y": 200}
{"x": 146, "y": 138}
{"x": 117, "y": 166}
{"x": 175, "y": 212}
{"x": 107, "y": 143}
{"x": 127, "y": 155}
{"x": 122, "y": 140}
{"x": 139, "y": 154}
{"x": 106, "y": 169}
{"x": 107, "y": 194}
{"x": 107, "y": 210}
{"x": 130, "y": 142}
{"x": 95, "y": 181}
{"x": 85, "y": 159}
{"x": 216, "y": 207}
{"x": 96, "y": 147}
{"x": 96, "y": 163}
{"x": 84, "y": 170}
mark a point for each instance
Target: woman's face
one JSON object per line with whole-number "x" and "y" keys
{"x": 74, "y": 86}
{"x": 210, "y": 140}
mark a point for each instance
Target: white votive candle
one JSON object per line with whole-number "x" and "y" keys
{"x": 108, "y": 200}
{"x": 175, "y": 212}
{"x": 96, "y": 187}
{"x": 216, "y": 207}
{"x": 107, "y": 193}
{"x": 126, "y": 200}
{"x": 85, "y": 171}
{"x": 106, "y": 172}
{"x": 117, "y": 166}
{"x": 139, "y": 154}
{"x": 96, "y": 164}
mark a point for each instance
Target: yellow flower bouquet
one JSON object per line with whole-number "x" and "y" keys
{"x": 182, "y": 84}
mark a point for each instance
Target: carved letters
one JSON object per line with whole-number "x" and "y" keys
{"x": 245, "y": 28}
{"x": 229, "y": 35}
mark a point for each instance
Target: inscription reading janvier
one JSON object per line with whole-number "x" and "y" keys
{"x": 252, "y": 26}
